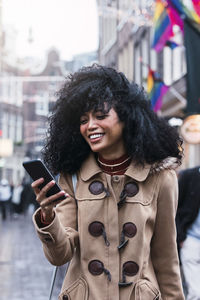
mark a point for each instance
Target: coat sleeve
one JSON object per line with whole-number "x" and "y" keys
{"x": 163, "y": 247}
{"x": 60, "y": 238}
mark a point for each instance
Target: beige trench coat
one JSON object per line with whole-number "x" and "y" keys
{"x": 144, "y": 268}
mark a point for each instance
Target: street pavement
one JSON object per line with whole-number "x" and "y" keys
{"x": 25, "y": 273}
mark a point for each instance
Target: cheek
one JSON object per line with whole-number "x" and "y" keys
{"x": 83, "y": 130}
{"x": 118, "y": 130}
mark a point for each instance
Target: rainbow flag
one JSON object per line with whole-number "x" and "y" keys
{"x": 191, "y": 14}
{"x": 182, "y": 10}
{"x": 174, "y": 16}
{"x": 162, "y": 26}
{"x": 156, "y": 89}
{"x": 196, "y": 5}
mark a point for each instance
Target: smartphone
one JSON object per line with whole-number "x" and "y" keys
{"x": 37, "y": 169}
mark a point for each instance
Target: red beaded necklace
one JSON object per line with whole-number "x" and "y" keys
{"x": 114, "y": 167}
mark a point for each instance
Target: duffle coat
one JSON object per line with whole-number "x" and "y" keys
{"x": 120, "y": 236}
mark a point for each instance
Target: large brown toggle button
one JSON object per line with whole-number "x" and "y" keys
{"x": 130, "y": 190}
{"x": 97, "y": 187}
{"x": 130, "y": 268}
{"x": 129, "y": 230}
{"x": 96, "y": 267}
{"x": 97, "y": 229}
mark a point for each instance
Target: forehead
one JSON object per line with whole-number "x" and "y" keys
{"x": 102, "y": 107}
{"x": 111, "y": 112}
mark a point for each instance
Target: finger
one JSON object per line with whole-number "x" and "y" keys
{"x": 55, "y": 199}
{"x": 35, "y": 185}
{"x": 46, "y": 188}
{"x": 37, "y": 182}
{"x": 42, "y": 193}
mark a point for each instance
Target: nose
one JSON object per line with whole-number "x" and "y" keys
{"x": 92, "y": 124}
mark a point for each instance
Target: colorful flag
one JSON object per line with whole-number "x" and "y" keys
{"x": 156, "y": 89}
{"x": 162, "y": 26}
{"x": 196, "y": 5}
{"x": 174, "y": 16}
{"x": 178, "y": 6}
{"x": 193, "y": 16}
{"x": 183, "y": 10}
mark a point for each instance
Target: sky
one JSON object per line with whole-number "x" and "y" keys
{"x": 69, "y": 25}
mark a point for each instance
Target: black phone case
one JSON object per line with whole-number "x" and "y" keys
{"x": 36, "y": 169}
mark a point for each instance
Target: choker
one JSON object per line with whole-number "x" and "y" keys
{"x": 113, "y": 165}
{"x": 116, "y": 166}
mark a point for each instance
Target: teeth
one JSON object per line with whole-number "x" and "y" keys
{"x": 95, "y": 136}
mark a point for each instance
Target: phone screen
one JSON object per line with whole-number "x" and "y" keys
{"x": 36, "y": 169}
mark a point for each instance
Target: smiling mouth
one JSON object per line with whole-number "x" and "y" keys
{"x": 95, "y": 136}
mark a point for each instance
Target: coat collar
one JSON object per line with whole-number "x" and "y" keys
{"x": 90, "y": 168}
{"x": 138, "y": 172}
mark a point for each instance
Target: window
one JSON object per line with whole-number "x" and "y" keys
{"x": 41, "y": 105}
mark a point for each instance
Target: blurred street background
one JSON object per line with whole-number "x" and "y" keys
{"x": 156, "y": 43}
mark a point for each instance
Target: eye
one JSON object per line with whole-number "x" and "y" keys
{"x": 101, "y": 117}
{"x": 83, "y": 121}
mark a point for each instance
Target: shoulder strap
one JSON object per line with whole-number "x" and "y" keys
{"x": 74, "y": 182}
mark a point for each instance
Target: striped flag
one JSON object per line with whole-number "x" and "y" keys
{"x": 156, "y": 89}
{"x": 183, "y": 11}
{"x": 174, "y": 16}
{"x": 196, "y": 5}
{"x": 162, "y": 26}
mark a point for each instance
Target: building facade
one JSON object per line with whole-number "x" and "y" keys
{"x": 26, "y": 100}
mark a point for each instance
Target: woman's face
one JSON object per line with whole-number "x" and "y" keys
{"x": 103, "y": 132}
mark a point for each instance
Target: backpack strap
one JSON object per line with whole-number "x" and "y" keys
{"x": 74, "y": 182}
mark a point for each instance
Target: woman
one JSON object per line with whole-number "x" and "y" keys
{"x": 119, "y": 233}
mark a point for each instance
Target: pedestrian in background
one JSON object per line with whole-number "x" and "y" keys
{"x": 27, "y": 197}
{"x": 5, "y": 198}
{"x": 16, "y": 199}
{"x": 188, "y": 229}
{"x": 120, "y": 233}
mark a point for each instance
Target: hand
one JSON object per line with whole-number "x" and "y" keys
{"x": 46, "y": 203}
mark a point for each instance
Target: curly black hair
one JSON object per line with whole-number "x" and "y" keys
{"x": 148, "y": 138}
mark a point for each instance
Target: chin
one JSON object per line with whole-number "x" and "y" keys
{"x": 96, "y": 149}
